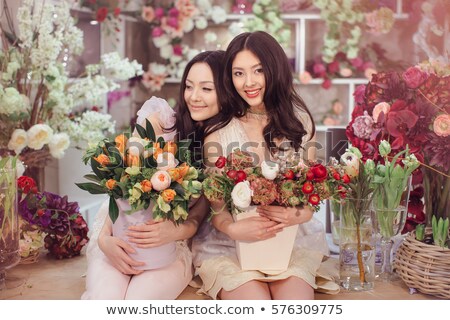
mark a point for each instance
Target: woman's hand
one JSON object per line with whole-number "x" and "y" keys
{"x": 252, "y": 229}
{"x": 117, "y": 252}
{"x": 285, "y": 216}
{"x": 153, "y": 233}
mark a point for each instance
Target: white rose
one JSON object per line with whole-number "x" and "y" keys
{"x": 166, "y": 51}
{"x": 18, "y": 141}
{"x": 166, "y": 161}
{"x": 242, "y": 195}
{"x": 39, "y": 135}
{"x": 270, "y": 169}
{"x": 350, "y": 163}
{"x": 59, "y": 144}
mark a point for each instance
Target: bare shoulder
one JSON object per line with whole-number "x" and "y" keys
{"x": 212, "y": 149}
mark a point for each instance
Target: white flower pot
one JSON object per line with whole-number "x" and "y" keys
{"x": 270, "y": 256}
{"x": 154, "y": 258}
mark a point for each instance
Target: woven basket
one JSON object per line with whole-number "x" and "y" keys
{"x": 424, "y": 267}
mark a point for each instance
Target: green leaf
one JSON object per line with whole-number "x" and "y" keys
{"x": 150, "y": 131}
{"x": 92, "y": 177}
{"x": 113, "y": 209}
{"x": 141, "y": 131}
{"x": 95, "y": 165}
{"x": 178, "y": 188}
{"x": 92, "y": 188}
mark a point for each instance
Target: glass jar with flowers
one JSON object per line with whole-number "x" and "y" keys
{"x": 146, "y": 179}
{"x": 391, "y": 183}
{"x": 357, "y": 241}
{"x": 37, "y": 99}
{"x": 9, "y": 218}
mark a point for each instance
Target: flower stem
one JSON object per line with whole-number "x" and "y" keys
{"x": 362, "y": 275}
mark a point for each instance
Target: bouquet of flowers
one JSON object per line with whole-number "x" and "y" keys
{"x": 409, "y": 109}
{"x": 55, "y": 217}
{"x": 241, "y": 184}
{"x": 37, "y": 98}
{"x": 144, "y": 170}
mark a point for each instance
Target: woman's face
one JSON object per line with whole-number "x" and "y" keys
{"x": 248, "y": 78}
{"x": 200, "y": 92}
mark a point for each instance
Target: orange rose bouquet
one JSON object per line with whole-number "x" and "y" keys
{"x": 142, "y": 170}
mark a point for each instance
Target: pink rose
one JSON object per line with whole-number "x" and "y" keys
{"x": 159, "y": 13}
{"x": 414, "y": 77}
{"x": 379, "y": 108}
{"x": 157, "y": 32}
{"x": 346, "y": 72}
{"x": 148, "y": 14}
{"x": 441, "y": 125}
{"x": 305, "y": 77}
{"x": 359, "y": 94}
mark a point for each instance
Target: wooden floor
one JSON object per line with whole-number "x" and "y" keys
{"x": 50, "y": 279}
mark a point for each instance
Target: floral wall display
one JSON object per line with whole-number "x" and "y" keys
{"x": 42, "y": 110}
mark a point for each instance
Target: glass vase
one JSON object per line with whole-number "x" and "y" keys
{"x": 389, "y": 222}
{"x": 335, "y": 208}
{"x": 357, "y": 245}
{"x": 9, "y": 223}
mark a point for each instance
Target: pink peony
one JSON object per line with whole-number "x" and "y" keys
{"x": 379, "y": 108}
{"x": 159, "y": 13}
{"x": 414, "y": 77}
{"x": 160, "y": 180}
{"x": 157, "y": 32}
{"x": 441, "y": 125}
{"x": 363, "y": 126}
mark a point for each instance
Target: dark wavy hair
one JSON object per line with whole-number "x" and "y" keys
{"x": 186, "y": 127}
{"x": 280, "y": 98}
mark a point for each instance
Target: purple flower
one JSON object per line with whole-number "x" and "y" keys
{"x": 363, "y": 126}
{"x": 414, "y": 77}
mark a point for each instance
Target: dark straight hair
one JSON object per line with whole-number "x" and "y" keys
{"x": 280, "y": 98}
{"x": 197, "y": 131}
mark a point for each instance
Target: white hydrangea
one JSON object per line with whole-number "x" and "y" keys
{"x": 166, "y": 51}
{"x": 121, "y": 69}
{"x": 12, "y": 102}
{"x": 161, "y": 41}
{"x": 210, "y": 37}
{"x": 201, "y": 23}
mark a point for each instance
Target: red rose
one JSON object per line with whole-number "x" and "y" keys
{"x": 26, "y": 184}
{"x": 414, "y": 77}
{"x": 314, "y": 199}
{"x": 116, "y": 12}
{"x": 320, "y": 172}
{"x": 346, "y": 178}
{"x": 240, "y": 176}
{"x": 336, "y": 176}
{"x": 289, "y": 175}
{"x": 232, "y": 174}
{"x": 101, "y": 14}
{"x": 307, "y": 187}
{"x": 221, "y": 162}
{"x": 309, "y": 175}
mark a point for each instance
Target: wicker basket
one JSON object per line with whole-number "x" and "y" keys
{"x": 424, "y": 267}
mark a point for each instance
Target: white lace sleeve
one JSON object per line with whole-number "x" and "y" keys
{"x": 94, "y": 231}
{"x": 160, "y": 109}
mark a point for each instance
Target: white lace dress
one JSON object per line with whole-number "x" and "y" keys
{"x": 214, "y": 253}
{"x": 158, "y": 109}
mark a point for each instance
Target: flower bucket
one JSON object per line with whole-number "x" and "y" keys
{"x": 269, "y": 256}
{"x": 154, "y": 258}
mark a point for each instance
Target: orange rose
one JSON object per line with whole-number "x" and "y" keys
{"x": 110, "y": 184}
{"x": 184, "y": 168}
{"x": 146, "y": 185}
{"x": 174, "y": 174}
{"x": 103, "y": 159}
{"x": 121, "y": 142}
{"x": 133, "y": 157}
{"x": 168, "y": 195}
{"x": 171, "y": 147}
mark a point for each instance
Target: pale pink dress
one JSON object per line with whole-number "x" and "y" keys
{"x": 214, "y": 253}
{"x": 103, "y": 281}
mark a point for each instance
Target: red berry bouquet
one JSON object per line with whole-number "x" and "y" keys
{"x": 65, "y": 228}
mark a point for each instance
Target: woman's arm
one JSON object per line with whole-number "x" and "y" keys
{"x": 117, "y": 250}
{"x": 154, "y": 234}
{"x": 286, "y": 216}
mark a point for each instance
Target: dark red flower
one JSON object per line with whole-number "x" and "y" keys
{"x": 398, "y": 123}
{"x": 26, "y": 184}
{"x": 240, "y": 176}
{"x": 414, "y": 77}
{"x": 320, "y": 172}
{"x": 102, "y": 13}
{"x": 221, "y": 162}
{"x": 307, "y": 187}
{"x": 289, "y": 174}
{"x": 232, "y": 174}
{"x": 314, "y": 199}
